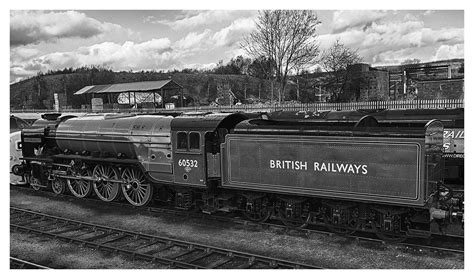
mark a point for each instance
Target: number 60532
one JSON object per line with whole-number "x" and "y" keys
{"x": 187, "y": 163}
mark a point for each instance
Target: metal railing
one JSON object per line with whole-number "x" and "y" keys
{"x": 411, "y": 104}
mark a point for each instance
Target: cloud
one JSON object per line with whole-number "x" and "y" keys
{"x": 233, "y": 33}
{"x": 449, "y": 51}
{"x": 346, "y": 19}
{"x": 33, "y": 27}
{"x": 212, "y": 36}
{"x": 153, "y": 54}
{"x": 194, "y": 40}
{"x": 23, "y": 53}
{"x": 394, "y": 57}
{"x": 425, "y": 54}
{"x": 193, "y": 19}
{"x": 379, "y": 41}
{"x": 428, "y": 12}
{"x": 159, "y": 54}
{"x": 444, "y": 35}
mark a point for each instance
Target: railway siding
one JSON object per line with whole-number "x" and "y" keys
{"x": 172, "y": 252}
{"x": 275, "y": 240}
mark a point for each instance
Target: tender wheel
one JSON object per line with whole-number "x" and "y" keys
{"x": 391, "y": 238}
{"x": 59, "y": 186}
{"x": 79, "y": 187}
{"x": 256, "y": 210}
{"x": 300, "y": 222}
{"x": 338, "y": 230}
{"x": 292, "y": 214}
{"x": 106, "y": 190}
{"x": 341, "y": 220}
{"x": 136, "y": 189}
{"x": 388, "y": 227}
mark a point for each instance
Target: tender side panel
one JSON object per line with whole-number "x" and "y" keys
{"x": 366, "y": 169}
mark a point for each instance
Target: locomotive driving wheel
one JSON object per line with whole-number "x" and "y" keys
{"x": 136, "y": 189}
{"x": 80, "y": 188}
{"x": 104, "y": 189}
{"x": 59, "y": 186}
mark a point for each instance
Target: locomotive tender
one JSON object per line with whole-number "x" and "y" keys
{"x": 453, "y": 121}
{"x": 350, "y": 175}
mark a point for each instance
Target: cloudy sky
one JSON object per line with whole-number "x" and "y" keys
{"x": 161, "y": 40}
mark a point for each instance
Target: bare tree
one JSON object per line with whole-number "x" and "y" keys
{"x": 285, "y": 37}
{"x": 335, "y": 61}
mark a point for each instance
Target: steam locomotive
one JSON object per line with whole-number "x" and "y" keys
{"x": 357, "y": 174}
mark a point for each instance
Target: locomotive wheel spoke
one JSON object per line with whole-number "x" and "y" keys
{"x": 106, "y": 190}
{"x": 136, "y": 190}
{"x": 79, "y": 187}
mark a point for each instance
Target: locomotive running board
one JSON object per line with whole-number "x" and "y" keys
{"x": 96, "y": 159}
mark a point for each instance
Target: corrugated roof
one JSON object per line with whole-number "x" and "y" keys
{"x": 83, "y": 90}
{"x": 142, "y": 86}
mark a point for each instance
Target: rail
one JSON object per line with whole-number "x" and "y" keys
{"x": 405, "y": 104}
{"x": 172, "y": 253}
{"x": 16, "y": 263}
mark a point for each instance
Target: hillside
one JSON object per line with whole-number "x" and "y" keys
{"x": 433, "y": 80}
{"x": 38, "y": 92}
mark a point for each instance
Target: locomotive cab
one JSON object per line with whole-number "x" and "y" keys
{"x": 196, "y": 147}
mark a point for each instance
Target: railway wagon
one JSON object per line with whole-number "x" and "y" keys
{"x": 347, "y": 176}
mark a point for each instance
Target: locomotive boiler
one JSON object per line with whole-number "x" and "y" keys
{"x": 360, "y": 175}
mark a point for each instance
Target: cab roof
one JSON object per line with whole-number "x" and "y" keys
{"x": 207, "y": 121}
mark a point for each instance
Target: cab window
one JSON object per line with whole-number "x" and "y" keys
{"x": 194, "y": 140}
{"x": 182, "y": 142}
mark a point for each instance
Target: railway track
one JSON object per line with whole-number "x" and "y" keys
{"x": 16, "y": 263}
{"x": 436, "y": 245}
{"x": 171, "y": 253}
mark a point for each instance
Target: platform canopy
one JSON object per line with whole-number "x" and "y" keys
{"x": 143, "y": 86}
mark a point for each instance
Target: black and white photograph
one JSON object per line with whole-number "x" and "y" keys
{"x": 148, "y": 138}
